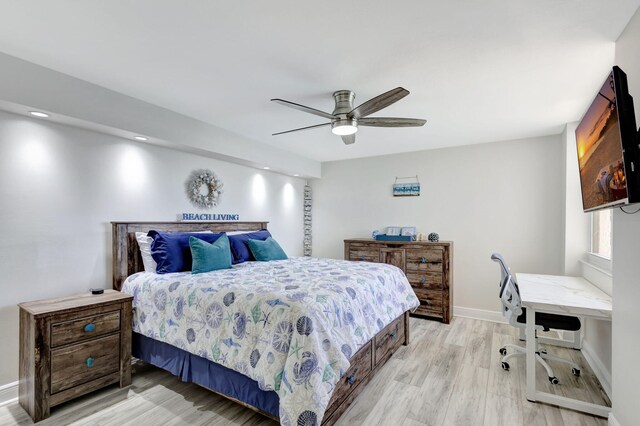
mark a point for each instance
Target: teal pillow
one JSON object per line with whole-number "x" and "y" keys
{"x": 210, "y": 257}
{"x": 265, "y": 250}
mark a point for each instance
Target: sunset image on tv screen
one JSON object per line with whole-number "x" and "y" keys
{"x": 600, "y": 151}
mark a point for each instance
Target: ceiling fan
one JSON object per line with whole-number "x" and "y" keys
{"x": 345, "y": 119}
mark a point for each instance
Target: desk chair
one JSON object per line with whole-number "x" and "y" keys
{"x": 516, "y": 315}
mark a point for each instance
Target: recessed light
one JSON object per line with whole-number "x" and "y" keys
{"x": 140, "y": 138}
{"x": 267, "y": 168}
{"x": 296, "y": 175}
{"x": 39, "y": 114}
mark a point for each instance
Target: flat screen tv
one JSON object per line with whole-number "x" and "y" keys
{"x": 607, "y": 143}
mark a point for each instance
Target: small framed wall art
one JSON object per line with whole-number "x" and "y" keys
{"x": 393, "y": 230}
{"x": 408, "y": 231}
{"x": 410, "y": 186}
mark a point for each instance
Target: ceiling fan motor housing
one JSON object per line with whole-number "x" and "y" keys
{"x": 344, "y": 102}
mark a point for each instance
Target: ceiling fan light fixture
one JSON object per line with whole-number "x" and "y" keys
{"x": 344, "y": 127}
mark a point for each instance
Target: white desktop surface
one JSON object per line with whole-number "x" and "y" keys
{"x": 559, "y": 295}
{"x": 563, "y": 295}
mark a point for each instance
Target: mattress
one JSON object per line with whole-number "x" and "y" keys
{"x": 290, "y": 325}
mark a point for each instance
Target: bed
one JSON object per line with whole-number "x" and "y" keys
{"x": 296, "y": 340}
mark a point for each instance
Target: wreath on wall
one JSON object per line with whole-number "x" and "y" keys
{"x": 204, "y": 188}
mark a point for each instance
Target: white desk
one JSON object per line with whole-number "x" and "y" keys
{"x": 566, "y": 296}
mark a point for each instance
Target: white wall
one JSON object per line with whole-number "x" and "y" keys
{"x": 498, "y": 197}
{"x": 61, "y": 186}
{"x": 576, "y": 222}
{"x": 25, "y": 86}
{"x": 577, "y": 229}
{"x": 626, "y": 264}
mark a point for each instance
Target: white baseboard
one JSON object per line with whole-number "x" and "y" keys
{"x": 598, "y": 367}
{"x": 8, "y": 393}
{"x": 481, "y": 314}
{"x": 612, "y": 420}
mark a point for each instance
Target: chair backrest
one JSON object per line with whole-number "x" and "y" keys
{"x": 509, "y": 292}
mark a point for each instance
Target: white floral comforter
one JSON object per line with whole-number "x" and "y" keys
{"x": 291, "y": 325}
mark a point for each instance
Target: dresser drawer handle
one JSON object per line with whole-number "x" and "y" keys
{"x": 423, "y": 280}
{"x": 351, "y": 379}
{"x": 423, "y": 260}
{"x": 89, "y": 362}
{"x": 361, "y": 257}
{"x": 89, "y": 327}
{"x": 393, "y": 334}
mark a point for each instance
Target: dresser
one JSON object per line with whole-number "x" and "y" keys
{"x": 427, "y": 266}
{"x": 73, "y": 345}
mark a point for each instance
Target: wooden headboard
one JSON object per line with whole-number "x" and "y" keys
{"x": 126, "y": 253}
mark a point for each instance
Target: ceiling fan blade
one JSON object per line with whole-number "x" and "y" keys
{"x": 304, "y": 108}
{"x": 391, "y": 122}
{"x": 301, "y": 128}
{"x": 349, "y": 139}
{"x": 378, "y": 103}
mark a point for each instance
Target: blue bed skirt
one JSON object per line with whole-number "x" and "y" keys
{"x": 195, "y": 369}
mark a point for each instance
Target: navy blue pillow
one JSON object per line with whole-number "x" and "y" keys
{"x": 239, "y": 247}
{"x": 171, "y": 250}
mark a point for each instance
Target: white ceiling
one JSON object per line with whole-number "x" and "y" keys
{"x": 478, "y": 71}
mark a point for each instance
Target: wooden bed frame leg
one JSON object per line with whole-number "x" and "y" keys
{"x": 407, "y": 334}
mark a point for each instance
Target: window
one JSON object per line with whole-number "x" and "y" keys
{"x": 601, "y": 224}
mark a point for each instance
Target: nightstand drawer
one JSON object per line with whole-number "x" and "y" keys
{"x": 84, "y": 328}
{"x": 77, "y": 364}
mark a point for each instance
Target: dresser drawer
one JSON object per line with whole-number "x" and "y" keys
{"x": 425, "y": 280}
{"x": 84, "y": 328}
{"x": 359, "y": 369}
{"x": 77, "y": 364}
{"x": 425, "y": 255}
{"x": 429, "y": 300}
{"x": 389, "y": 339}
{"x": 365, "y": 254}
{"x": 418, "y": 266}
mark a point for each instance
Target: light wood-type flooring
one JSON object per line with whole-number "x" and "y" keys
{"x": 449, "y": 375}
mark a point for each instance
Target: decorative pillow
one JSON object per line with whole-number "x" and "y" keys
{"x": 171, "y": 250}
{"x": 144, "y": 242}
{"x": 239, "y": 248}
{"x": 210, "y": 257}
{"x": 266, "y": 250}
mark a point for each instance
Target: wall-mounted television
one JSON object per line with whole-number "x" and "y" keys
{"x": 607, "y": 143}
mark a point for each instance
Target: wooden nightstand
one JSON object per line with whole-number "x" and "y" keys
{"x": 73, "y": 345}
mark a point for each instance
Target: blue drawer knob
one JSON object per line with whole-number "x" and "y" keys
{"x": 89, "y": 362}
{"x": 89, "y": 327}
{"x": 351, "y": 379}
{"x": 393, "y": 334}
{"x": 361, "y": 257}
{"x": 423, "y": 260}
{"x": 423, "y": 280}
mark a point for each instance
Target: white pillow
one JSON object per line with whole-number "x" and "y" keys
{"x": 144, "y": 243}
{"x": 239, "y": 232}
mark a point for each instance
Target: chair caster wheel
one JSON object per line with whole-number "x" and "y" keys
{"x": 505, "y": 366}
{"x": 554, "y": 380}
{"x": 575, "y": 372}
{"x": 503, "y": 351}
